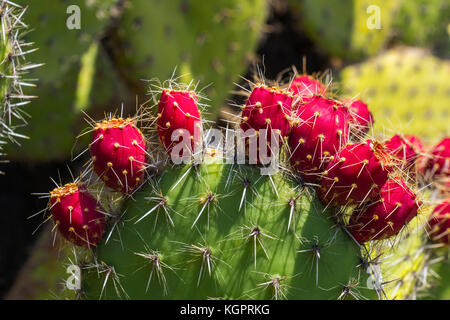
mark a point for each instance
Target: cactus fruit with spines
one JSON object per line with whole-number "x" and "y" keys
{"x": 410, "y": 107}
{"x": 269, "y": 109}
{"x": 395, "y": 207}
{"x": 406, "y": 89}
{"x": 211, "y": 41}
{"x": 178, "y": 110}
{"x": 437, "y": 166}
{"x": 320, "y": 129}
{"x": 406, "y": 150}
{"x": 356, "y": 173}
{"x": 77, "y": 215}
{"x": 304, "y": 86}
{"x": 14, "y": 75}
{"x": 439, "y": 224}
{"x": 119, "y": 154}
{"x": 215, "y": 230}
{"x": 360, "y": 117}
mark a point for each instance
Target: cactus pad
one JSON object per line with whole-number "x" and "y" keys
{"x": 64, "y": 85}
{"x": 209, "y": 40}
{"x": 341, "y": 29}
{"x": 234, "y": 234}
{"x": 406, "y": 89}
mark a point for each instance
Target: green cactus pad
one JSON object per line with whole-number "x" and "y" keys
{"x": 441, "y": 288}
{"x": 60, "y": 47}
{"x": 404, "y": 269}
{"x": 210, "y": 41}
{"x": 424, "y": 23}
{"x": 253, "y": 255}
{"x": 14, "y": 69}
{"x": 406, "y": 89}
{"x": 340, "y": 28}
{"x": 70, "y": 58}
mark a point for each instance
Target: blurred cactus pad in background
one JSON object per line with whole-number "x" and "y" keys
{"x": 70, "y": 69}
{"x": 102, "y": 62}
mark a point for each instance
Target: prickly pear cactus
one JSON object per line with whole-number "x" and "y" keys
{"x": 71, "y": 58}
{"x": 348, "y": 29}
{"x": 14, "y": 69}
{"x": 155, "y": 229}
{"x": 211, "y": 41}
{"x": 406, "y": 89}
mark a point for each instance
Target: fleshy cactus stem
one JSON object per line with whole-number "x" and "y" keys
{"x": 13, "y": 69}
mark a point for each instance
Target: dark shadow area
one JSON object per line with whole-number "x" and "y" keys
{"x": 17, "y": 201}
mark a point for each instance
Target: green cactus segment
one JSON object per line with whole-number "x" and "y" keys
{"x": 55, "y": 32}
{"x": 403, "y": 268}
{"x": 424, "y": 23}
{"x": 406, "y": 90}
{"x": 210, "y": 39}
{"x": 441, "y": 288}
{"x": 85, "y": 77}
{"x": 99, "y": 85}
{"x": 224, "y": 244}
{"x": 71, "y": 57}
{"x": 6, "y": 71}
{"x": 348, "y": 28}
{"x": 14, "y": 74}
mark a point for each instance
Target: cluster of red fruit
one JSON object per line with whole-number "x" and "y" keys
{"x": 120, "y": 158}
{"x": 327, "y": 147}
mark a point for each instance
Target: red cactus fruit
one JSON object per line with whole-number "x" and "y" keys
{"x": 269, "y": 109}
{"x": 178, "y": 110}
{"x": 118, "y": 152}
{"x": 361, "y": 117}
{"x": 439, "y": 163}
{"x": 395, "y": 207}
{"x": 356, "y": 173}
{"x": 405, "y": 149}
{"x": 306, "y": 87}
{"x": 439, "y": 223}
{"x": 77, "y": 214}
{"x": 320, "y": 130}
